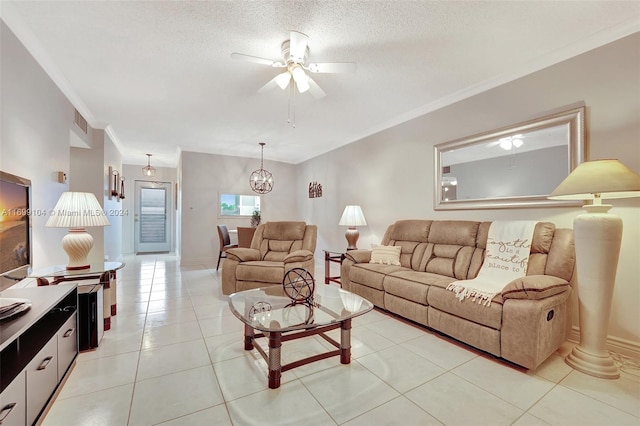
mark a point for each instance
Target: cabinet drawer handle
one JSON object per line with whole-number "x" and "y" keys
{"x": 68, "y": 333}
{"x": 8, "y": 409}
{"x": 45, "y": 362}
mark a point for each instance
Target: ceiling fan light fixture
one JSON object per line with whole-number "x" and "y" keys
{"x": 282, "y": 80}
{"x": 506, "y": 144}
{"x": 301, "y": 79}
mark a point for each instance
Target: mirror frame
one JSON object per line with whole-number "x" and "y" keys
{"x": 576, "y": 144}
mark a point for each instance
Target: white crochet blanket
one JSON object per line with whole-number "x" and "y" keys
{"x": 506, "y": 258}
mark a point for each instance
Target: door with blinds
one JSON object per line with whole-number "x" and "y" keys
{"x": 152, "y": 217}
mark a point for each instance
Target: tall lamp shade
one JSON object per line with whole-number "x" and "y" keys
{"x": 77, "y": 211}
{"x": 352, "y": 217}
{"x": 598, "y": 236}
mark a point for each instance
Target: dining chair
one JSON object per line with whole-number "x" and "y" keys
{"x": 225, "y": 242}
{"x": 245, "y": 235}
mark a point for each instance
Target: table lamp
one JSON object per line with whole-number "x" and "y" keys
{"x": 352, "y": 217}
{"x": 598, "y": 236}
{"x": 77, "y": 211}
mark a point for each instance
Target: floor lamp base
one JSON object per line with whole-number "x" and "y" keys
{"x": 601, "y": 366}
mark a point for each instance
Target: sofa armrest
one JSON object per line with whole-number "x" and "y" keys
{"x": 243, "y": 254}
{"x": 534, "y": 287}
{"x": 359, "y": 256}
{"x": 298, "y": 256}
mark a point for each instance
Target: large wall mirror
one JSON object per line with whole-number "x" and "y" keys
{"x": 517, "y": 166}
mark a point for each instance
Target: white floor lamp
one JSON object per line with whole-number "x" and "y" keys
{"x": 598, "y": 235}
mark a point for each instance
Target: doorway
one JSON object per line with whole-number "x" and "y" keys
{"x": 152, "y": 220}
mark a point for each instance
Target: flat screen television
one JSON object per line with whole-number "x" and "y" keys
{"x": 15, "y": 227}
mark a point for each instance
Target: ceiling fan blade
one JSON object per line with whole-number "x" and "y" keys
{"x": 272, "y": 84}
{"x": 332, "y": 67}
{"x": 315, "y": 90}
{"x": 257, "y": 60}
{"x": 298, "y": 45}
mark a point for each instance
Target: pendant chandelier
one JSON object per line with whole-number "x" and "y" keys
{"x": 261, "y": 180}
{"x": 148, "y": 170}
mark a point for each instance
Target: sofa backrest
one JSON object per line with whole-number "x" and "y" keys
{"x": 455, "y": 248}
{"x": 275, "y": 240}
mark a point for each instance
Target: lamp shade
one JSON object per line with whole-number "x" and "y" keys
{"x": 352, "y": 216}
{"x": 603, "y": 179}
{"x": 77, "y": 210}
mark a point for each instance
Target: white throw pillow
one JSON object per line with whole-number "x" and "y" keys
{"x": 387, "y": 255}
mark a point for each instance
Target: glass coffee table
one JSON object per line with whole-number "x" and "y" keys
{"x": 268, "y": 312}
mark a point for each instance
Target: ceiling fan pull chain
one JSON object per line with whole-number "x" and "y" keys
{"x": 293, "y": 90}
{"x": 289, "y": 107}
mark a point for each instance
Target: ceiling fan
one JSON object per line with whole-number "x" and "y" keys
{"x": 295, "y": 53}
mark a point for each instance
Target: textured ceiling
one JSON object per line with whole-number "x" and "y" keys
{"x": 159, "y": 74}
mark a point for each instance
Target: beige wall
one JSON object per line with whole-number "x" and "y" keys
{"x": 204, "y": 176}
{"x": 83, "y": 177}
{"x": 113, "y": 207}
{"x": 37, "y": 130}
{"x": 390, "y": 174}
{"x": 35, "y": 126}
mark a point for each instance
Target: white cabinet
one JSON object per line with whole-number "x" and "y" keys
{"x": 42, "y": 378}
{"x": 67, "y": 345}
{"x": 13, "y": 408}
{"x": 37, "y": 349}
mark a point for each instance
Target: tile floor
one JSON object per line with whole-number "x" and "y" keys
{"x": 174, "y": 356}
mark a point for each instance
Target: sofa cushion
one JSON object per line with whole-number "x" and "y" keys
{"x": 413, "y": 285}
{"x": 411, "y": 230}
{"x": 371, "y": 274}
{"x": 260, "y": 271}
{"x": 387, "y": 255}
{"x": 454, "y": 232}
{"x": 446, "y": 301}
{"x": 449, "y": 260}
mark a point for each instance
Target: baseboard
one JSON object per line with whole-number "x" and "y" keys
{"x": 614, "y": 344}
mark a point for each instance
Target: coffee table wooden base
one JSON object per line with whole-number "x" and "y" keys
{"x": 275, "y": 339}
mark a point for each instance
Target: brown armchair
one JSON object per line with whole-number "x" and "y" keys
{"x": 276, "y": 248}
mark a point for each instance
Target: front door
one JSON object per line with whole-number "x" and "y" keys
{"x": 152, "y": 218}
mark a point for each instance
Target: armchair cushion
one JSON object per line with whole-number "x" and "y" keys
{"x": 243, "y": 254}
{"x": 298, "y": 256}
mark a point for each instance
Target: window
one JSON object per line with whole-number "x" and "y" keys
{"x": 239, "y": 205}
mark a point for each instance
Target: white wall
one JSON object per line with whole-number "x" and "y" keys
{"x": 204, "y": 176}
{"x": 34, "y": 139}
{"x": 390, "y": 174}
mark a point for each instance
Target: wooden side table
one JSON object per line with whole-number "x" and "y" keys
{"x": 332, "y": 257}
